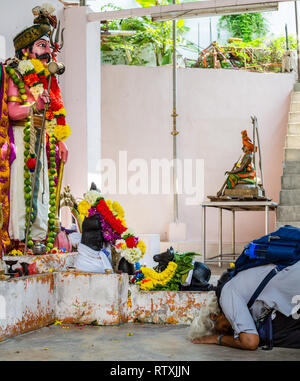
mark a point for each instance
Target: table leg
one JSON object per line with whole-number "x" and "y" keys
{"x": 267, "y": 219}
{"x": 220, "y": 237}
{"x": 204, "y": 232}
{"x": 233, "y": 233}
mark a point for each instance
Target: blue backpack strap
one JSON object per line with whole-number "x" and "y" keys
{"x": 263, "y": 284}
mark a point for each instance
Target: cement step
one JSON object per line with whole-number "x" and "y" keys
{"x": 291, "y": 167}
{"x": 293, "y": 129}
{"x": 288, "y": 213}
{"x": 296, "y": 96}
{"x": 290, "y": 197}
{"x": 290, "y": 182}
{"x": 295, "y": 106}
{"x": 292, "y": 154}
{"x": 292, "y": 141}
{"x": 294, "y": 117}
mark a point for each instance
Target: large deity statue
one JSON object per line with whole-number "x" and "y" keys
{"x": 26, "y": 101}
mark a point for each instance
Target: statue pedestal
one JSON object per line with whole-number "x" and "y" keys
{"x": 244, "y": 190}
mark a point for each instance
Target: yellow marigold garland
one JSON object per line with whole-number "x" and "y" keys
{"x": 83, "y": 209}
{"x": 15, "y": 253}
{"x": 38, "y": 66}
{"x": 62, "y": 132}
{"x": 109, "y": 204}
{"x": 61, "y": 112}
{"x": 118, "y": 209}
{"x": 141, "y": 245}
{"x": 153, "y": 278}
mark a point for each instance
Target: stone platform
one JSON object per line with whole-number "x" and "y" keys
{"x": 91, "y": 298}
{"x": 26, "y": 304}
{"x": 31, "y": 302}
{"x": 164, "y": 307}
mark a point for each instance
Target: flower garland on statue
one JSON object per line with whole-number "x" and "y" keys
{"x": 113, "y": 226}
{"x": 169, "y": 279}
{"x": 36, "y": 77}
{"x": 153, "y": 279}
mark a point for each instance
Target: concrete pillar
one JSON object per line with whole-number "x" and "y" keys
{"x": 82, "y": 99}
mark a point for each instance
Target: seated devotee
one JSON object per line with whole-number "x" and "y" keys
{"x": 226, "y": 319}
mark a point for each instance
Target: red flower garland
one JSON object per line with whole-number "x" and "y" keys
{"x": 109, "y": 217}
{"x": 31, "y": 79}
{"x": 130, "y": 242}
{"x": 61, "y": 120}
{"x": 56, "y": 103}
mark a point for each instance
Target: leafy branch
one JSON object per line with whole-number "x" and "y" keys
{"x": 247, "y": 26}
{"x": 148, "y": 38}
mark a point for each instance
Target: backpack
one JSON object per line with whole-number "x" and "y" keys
{"x": 281, "y": 248}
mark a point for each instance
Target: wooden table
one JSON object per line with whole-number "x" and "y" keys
{"x": 233, "y": 206}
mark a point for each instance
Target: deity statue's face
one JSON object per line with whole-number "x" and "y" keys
{"x": 40, "y": 50}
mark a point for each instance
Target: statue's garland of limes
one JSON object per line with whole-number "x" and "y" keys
{"x": 27, "y": 176}
{"x": 52, "y": 194}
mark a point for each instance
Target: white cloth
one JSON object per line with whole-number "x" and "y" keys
{"x": 17, "y": 202}
{"x": 75, "y": 239}
{"x": 89, "y": 260}
{"x": 189, "y": 278}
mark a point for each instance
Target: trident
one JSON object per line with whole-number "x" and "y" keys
{"x": 55, "y": 44}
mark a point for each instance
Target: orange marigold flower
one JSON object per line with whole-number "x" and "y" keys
{"x": 31, "y": 79}
{"x": 49, "y": 115}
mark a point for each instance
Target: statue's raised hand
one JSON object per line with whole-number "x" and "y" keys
{"x": 43, "y": 99}
{"x": 63, "y": 151}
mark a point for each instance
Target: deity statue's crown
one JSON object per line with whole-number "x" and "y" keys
{"x": 247, "y": 141}
{"x": 43, "y": 20}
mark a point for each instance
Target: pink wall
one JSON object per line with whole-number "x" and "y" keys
{"x": 82, "y": 98}
{"x": 214, "y": 106}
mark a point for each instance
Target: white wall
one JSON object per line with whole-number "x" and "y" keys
{"x": 214, "y": 106}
